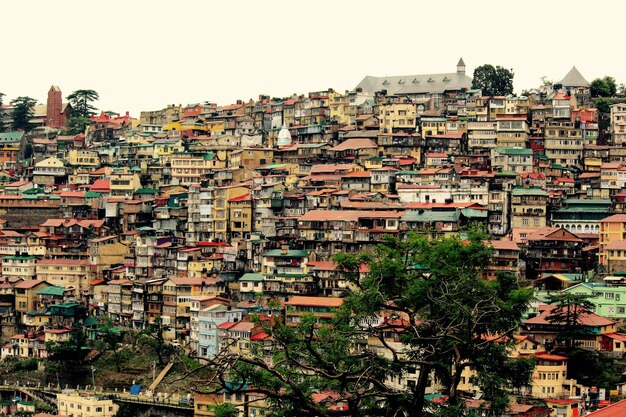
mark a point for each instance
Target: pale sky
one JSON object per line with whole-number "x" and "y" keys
{"x": 144, "y": 54}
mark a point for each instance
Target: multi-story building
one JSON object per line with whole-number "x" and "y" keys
{"x": 564, "y": 143}
{"x": 67, "y": 273}
{"x": 512, "y": 131}
{"x": 612, "y": 232}
{"x": 77, "y": 405}
{"x": 124, "y": 183}
{"x": 528, "y": 207}
{"x": 190, "y": 168}
{"x": 323, "y": 309}
{"x": 618, "y": 123}
{"x": 512, "y": 159}
{"x": 210, "y": 319}
{"x": 19, "y": 267}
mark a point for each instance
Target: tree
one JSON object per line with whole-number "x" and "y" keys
{"x": 430, "y": 295}
{"x": 112, "y": 336}
{"x": 226, "y": 410}
{"x": 23, "y": 111}
{"x": 567, "y": 312}
{"x": 152, "y": 336}
{"x": 77, "y": 124}
{"x": 81, "y": 102}
{"x": 493, "y": 81}
{"x": 603, "y": 87}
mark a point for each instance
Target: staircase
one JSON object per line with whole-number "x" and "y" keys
{"x": 161, "y": 375}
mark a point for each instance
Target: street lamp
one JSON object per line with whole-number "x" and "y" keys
{"x": 93, "y": 377}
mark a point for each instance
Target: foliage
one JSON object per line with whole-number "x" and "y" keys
{"x": 74, "y": 350}
{"x": 23, "y": 111}
{"x": 424, "y": 305}
{"x": 603, "y": 87}
{"x": 546, "y": 83}
{"x": 567, "y": 312}
{"x": 25, "y": 365}
{"x": 81, "y": 102}
{"x": 112, "y": 336}
{"x": 226, "y": 410}
{"x": 152, "y": 336}
{"x": 28, "y": 151}
{"x": 77, "y": 125}
{"x": 493, "y": 81}
{"x": 593, "y": 369}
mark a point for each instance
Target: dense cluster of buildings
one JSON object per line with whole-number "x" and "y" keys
{"x": 200, "y": 215}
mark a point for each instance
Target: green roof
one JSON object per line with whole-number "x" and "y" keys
{"x": 271, "y": 166}
{"x": 19, "y": 258}
{"x": 251, "y": 277}
{"x": 209, "y": 155}
{"x": 431, "y": 216}
{"x": 528, "y": 191}
{"x": 473, "y": 213}
{"x": 91, "y": 321}
{"x": 515, "y": 151}
{"x": 147, "y": 191}
{"x": 602, "y": 201}
{"x": 92, "y": 194}
{"x": 407, "y": 173}
{"x": 11, "y": 136}
{"x": 556, "y": 166}
{"x": 52, "y": 290}
{"x": 290, "y": 275}
{"x": 289, "y": 254}
{"x": 507, "y": 174}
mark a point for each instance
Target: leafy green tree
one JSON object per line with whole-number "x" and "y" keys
{"x": 77, "y": 124}
{"x": 74, "y": 350}
{"x": 603, "y": 87}
{"x": 81, "y": 102}
{"x": 432, "y": 296}
{"x": 493, "y": 81}
{"x": 23, "y": 111}
{"x": 112, "y": 337}
{"x": 568, "y": 312}
{"x": 152, "y": 336}
{"x": 226, "y": 410}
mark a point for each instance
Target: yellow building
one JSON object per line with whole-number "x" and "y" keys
{"x": 240, "y": 213}
{"x": 19, "y": 266}
{"x": 105, "y": 252}
{"x": 549, "y": 376}
{"x": 26, "y": 298}
{"x": 73, "y": 404}
{"x": 251, "y": 157}
{"x": 124, "y": 183}
{"x": 612, "y": 239}
{"x": 221, "y": 211}
{"x": 339, "y": 105}
{"x": 66, "y": 273}
{"x": 512, "y": 131}
{"x": 83, "y": 158}
{"x": 398, "y": 116}
{"x": 57, "y": 335}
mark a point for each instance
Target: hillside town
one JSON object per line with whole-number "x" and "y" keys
{"x": 203, "y": 217}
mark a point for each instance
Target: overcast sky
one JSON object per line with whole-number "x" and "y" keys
{"x": 144, "y": 54}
